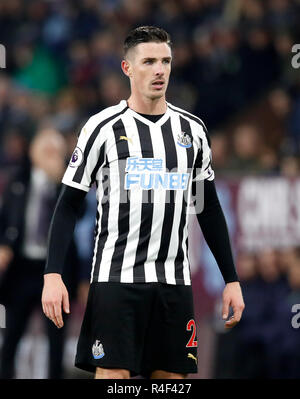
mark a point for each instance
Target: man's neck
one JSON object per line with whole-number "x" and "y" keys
{"x": 147, "y": 106}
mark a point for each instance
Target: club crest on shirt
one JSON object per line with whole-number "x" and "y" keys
{"x": 97, "y": 350}
{"x": 184, "y": 140}
{"x": 76, "y": 158}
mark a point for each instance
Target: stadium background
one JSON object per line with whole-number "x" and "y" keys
{"x": 232, "y": 68}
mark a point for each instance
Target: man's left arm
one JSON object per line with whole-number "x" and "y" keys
{"x": 215, "y": 232}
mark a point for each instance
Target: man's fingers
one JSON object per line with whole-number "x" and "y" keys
{"x": 225, "y": 309}
{"x": 45, "y": 309}
{"x": 238, "y": 311}
{"x": 237, "y": 315}
{"x": 231, "y": 322}
{"x": 232, "y": 297}
{"x": 58, "y": 316}
{"x": 55, "y": 298}
{"x": 51, "y": 314}
{"x": 65, "y": 302}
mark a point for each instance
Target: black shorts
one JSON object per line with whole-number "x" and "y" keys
{"x": 138, "y": 327}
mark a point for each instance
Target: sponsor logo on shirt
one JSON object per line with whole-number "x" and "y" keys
{"x": 149, "y": 173}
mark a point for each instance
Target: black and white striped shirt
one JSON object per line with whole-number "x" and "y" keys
{"x": 143, "y": 171}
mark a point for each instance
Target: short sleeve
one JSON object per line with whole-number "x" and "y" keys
{"x": 87, "y": 158}
{"x": 203, "y": 164}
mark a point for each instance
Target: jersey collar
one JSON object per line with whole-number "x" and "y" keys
{"x": 146, "y": 121}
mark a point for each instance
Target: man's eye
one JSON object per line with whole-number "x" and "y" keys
{"x": 148, "y": 62}
{"x": 166, "y": 61}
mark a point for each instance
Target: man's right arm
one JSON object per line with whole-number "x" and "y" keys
{"x": 87, "y": 159}
{"x": 55, "y": 294}
{"x": 62, "y": 227}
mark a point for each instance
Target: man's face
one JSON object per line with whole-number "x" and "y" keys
{"x": 149, "y": 66}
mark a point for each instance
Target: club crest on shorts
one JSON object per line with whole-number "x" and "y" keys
{"x": 184, "y": 140}
{"x": 77, "y": 158}
{"x": 97, "y": 349}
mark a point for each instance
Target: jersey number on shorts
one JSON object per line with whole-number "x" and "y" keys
{"x": 191, "y": 325}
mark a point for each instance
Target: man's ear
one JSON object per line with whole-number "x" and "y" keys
{"x": 126, "y": 68}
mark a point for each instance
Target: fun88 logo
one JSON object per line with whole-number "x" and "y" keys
{"x": 149, "y": 173}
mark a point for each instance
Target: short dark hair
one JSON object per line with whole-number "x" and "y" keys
{"x": 146, "y": 34}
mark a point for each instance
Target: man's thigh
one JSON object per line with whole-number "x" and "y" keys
{"x": 118, "y": 374}
{"x": 172, "y": 339}
{"x": 114, "y": 327}
{"x": 137, "y": 327}
{"x": 161, "y": 374}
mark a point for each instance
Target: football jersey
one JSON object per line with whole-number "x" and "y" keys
{"x": 143, "y": 172}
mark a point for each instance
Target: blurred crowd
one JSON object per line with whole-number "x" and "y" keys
{"x": 266, "y": 342}
{"x": 232, "y": 68}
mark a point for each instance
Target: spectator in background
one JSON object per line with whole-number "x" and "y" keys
{"x": 14, "y": 147}
{"x": 26, "y": 212}
{"x": 294, "y": 120}
{"x": 111, "y": 89}
{"x": 81, "y": 68}
{"x": 105, "y": 53}
{"x": 5, "y": 86}
{"x": 274, "y": 288}
{"x": 34, "y": 62}
{"x": 260, "y": 341}
{"x": 268, "y": 161}
{"x": 283, "y": 42}
{"x": 259, "y": 62}
{"x": 220, "y": 151}
{"x": 286, "y": 258}
{"x": 237, "y": 353}
{"x": 239, "y": 49}
{"x": 278, "y": 107}
{"x": 247, "y": 143}
{"x": 289, "y": 166}
{"x": 287, "y": 346}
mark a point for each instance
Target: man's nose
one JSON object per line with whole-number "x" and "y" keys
{"x": 159, "y": 69}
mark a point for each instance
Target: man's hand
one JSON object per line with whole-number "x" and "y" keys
{"x": 55, "y": 296}
{"x": 232, "y": 296}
